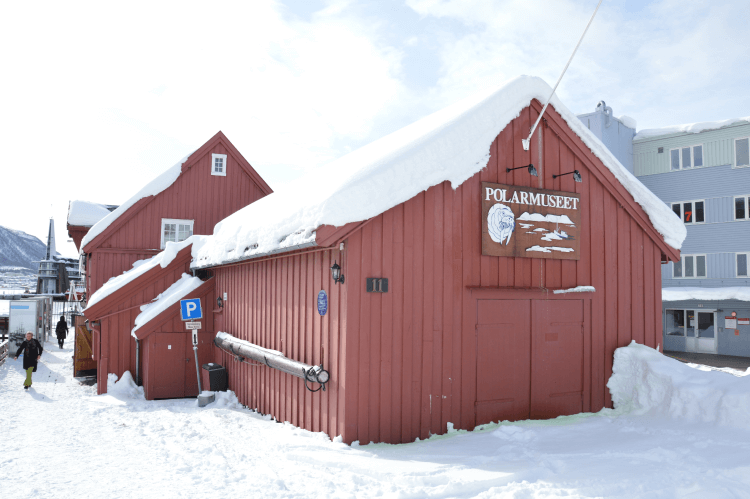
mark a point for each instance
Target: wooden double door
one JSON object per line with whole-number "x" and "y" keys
{"x": 530, "y": 359}
{"x": 174, "y": 373}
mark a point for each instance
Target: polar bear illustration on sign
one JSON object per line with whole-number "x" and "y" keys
{"x": 501, "y": 223}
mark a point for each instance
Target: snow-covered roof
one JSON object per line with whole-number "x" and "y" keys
{"x": 153, "y": 188}
{"x": 174, "y": 293}
{"x": 86, "y": 213}
{"x": 452, "y": 144}
{"x": 142, "y": 266}
{"x": 741, "y": 293}
{"x": 650, "y": 133}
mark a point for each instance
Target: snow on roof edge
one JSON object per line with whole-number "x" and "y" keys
{"x": 650, "y": 133}
{"x": 185, "y": 285}
{"x": 740, "y": 293}
{"x": 86, "y": 213}
{"x": 452, "y": 145}
{"x": 157, "y": 185}
{"x": 164, "y": 258}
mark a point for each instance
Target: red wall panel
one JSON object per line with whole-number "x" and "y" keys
{"x": 404, "y": 363}
{"x": 273, "y": 303}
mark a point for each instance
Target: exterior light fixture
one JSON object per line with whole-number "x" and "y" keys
{"x": 530, "y": 167}
{"x": 576, "y": 175}
{"x": 336, "y": 273}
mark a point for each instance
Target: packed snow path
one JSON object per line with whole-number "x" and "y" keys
{"x": 62, "y": 440}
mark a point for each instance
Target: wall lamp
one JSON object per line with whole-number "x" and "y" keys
{"x": 576, "y": 175}
{"x": 336, "y": 273}
{"x": 532, "y": 170}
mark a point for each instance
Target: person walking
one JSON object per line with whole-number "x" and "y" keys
{"x": 62, "y": 331}
{"x": 32, "y": 352}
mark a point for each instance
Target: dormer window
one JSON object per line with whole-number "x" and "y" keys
{"x": 219, "y": 165}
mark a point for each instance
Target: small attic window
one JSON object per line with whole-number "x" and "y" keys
{"x": 219, "y": 165}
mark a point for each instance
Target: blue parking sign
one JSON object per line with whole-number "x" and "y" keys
{"x": 191, "y": 309}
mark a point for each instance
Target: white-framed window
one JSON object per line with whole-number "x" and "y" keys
{"x": 690, "y": 212}
{"x": 219, "y": 165}
{"x": 175, "y": 230}
{"x": 742, "y": 152}
{"x": 690, "y": 267}
{"x": 742, "y": 207}
{"x": 742, "y": 261}
{"x": 686, "y": 157}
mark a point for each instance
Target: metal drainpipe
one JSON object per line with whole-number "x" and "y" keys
{"x": 137, "y": 362}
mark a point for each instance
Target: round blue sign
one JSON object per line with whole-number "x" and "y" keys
{"x": 322, "y": 302}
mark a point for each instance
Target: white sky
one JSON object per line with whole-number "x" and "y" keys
{"x": 97, "y": 98}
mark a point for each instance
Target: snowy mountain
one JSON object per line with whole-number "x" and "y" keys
{"x": 18, "y": 249}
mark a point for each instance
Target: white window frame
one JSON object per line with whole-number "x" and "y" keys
{"x": 692, "y": 157}
{"x": 692, "y": 202}
{"x": 737, "y": 266}
{"x": 165, "y": 221}
{"x": 746, "y": 197}
{"x": 695, "y": 266}
{"x": 223, "y": 157}
{"x": 734, "y": 152}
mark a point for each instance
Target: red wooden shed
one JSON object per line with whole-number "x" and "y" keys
{"x": 189, "y": 198}
{"x": 459, "y": 335}
{"x": 168, "y": 365}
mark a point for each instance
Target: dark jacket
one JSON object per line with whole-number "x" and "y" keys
{"x": 31, "y": 350}
{"x": 61, "y": 329}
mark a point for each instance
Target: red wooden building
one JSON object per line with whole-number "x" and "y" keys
{"x": 189, "y": 198}
{"x": 82, "y": 215}
{"x": 458, "y": 335}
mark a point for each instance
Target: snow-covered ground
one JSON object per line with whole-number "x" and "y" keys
{"x": 62, "y": 440}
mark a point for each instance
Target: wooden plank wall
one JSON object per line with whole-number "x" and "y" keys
{"x": 105, "y": 264}
{"x": 195, "y": 195}
{"x": 273, "y": 303}
{"x": 412, "y": 351}
{"x": 117, "y": 345}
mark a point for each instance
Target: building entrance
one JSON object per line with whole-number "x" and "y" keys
{"x": 530, "y": 359}
{"x": 698, "y": 327}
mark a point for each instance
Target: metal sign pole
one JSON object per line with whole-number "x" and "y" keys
{"x": 197, "y": 367}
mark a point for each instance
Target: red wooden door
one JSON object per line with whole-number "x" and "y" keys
{"x": 557, "y": 358}
{"x": 503, "y": 360}
{"x": 169, "y": 365}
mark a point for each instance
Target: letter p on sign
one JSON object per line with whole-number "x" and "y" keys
{"x": 191, "y": 309}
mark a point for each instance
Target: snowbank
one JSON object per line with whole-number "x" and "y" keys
{"x": 689, "y": 128}
{"x": 85, "y": 213}
{"x": 125, "y": 388}
{"x": 153, "y": 188}
{"x": 223, "y": 400}
{"x": 741, "y": 293}
{"x": 647, "y": 382}
{"x": 577, "y": 289}
{"x": 174, "y": 293}
{"x": 142, "y": 266}
{"x": 450, "y": 145}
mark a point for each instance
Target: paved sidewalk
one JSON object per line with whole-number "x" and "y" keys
{"x": 709, "y": 359}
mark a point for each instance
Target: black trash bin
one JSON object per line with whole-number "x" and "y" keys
{"x": 214, "y": 377}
